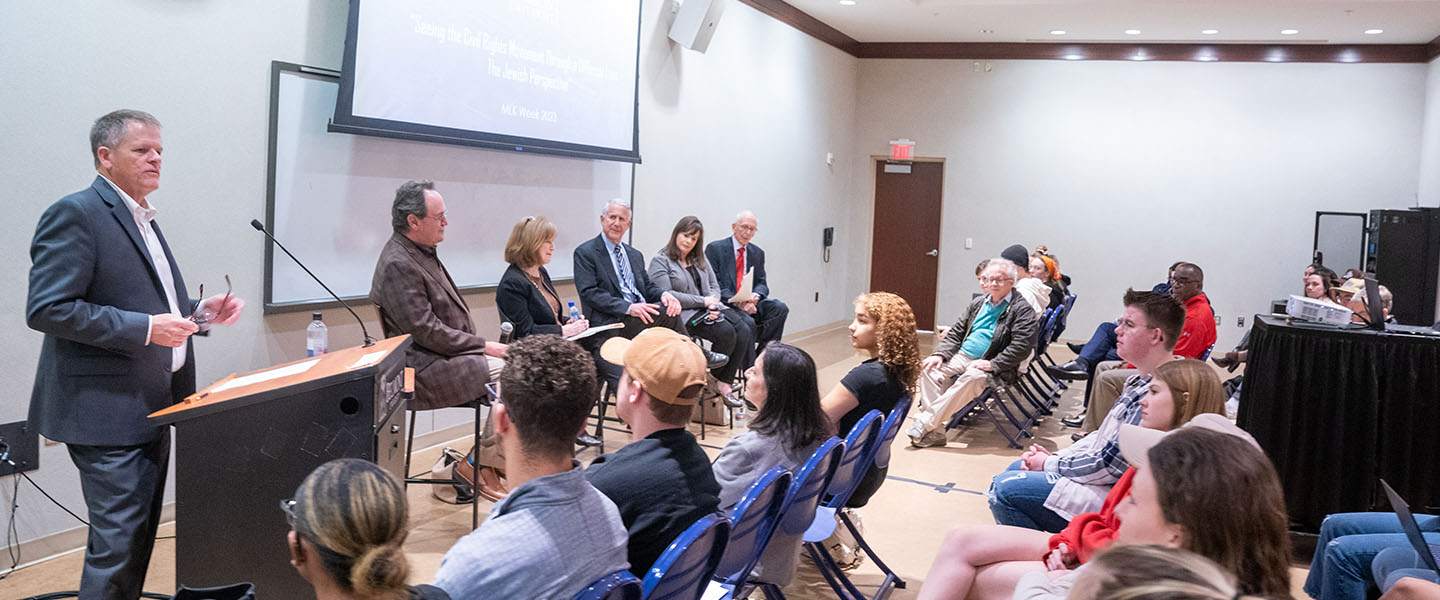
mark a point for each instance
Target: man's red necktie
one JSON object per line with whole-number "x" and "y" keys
{"x": 739, "y": 267}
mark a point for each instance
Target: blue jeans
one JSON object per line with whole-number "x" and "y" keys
{"x": 1397, "y": 562}
{"x": 1348, "y": 543}
{"x": 1100, "y": 348}
{"x": 1017, "y": 498}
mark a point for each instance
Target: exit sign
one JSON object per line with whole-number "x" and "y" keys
{"x": 902, "y": 149}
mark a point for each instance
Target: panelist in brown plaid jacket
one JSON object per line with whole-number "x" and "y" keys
{"x": 415, "y": 294}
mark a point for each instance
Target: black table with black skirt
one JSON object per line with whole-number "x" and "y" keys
{"x": 1337, "y": 409}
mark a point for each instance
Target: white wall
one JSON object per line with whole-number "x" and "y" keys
{"x": 1430, "y": 148}
{"x": 1123, "y": 168}
{"x": 746, "y": 125}
{"x": 1430, "y": 141}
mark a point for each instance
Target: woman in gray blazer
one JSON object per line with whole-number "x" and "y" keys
{"x": 680, "y": 268}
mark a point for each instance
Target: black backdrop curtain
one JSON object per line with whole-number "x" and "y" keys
{"x": 1338, "y": 409}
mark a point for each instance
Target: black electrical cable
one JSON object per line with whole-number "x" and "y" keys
{"x": 52, "y": 499}
{"x": 12, "y": 535}
{"x": 14, "y": 547}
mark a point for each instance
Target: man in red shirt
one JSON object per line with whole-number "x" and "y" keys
{"x": 1187, "y": 285}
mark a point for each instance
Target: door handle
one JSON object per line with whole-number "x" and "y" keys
{"x": 933, "y": 252}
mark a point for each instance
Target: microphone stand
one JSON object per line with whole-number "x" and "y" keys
{"x": 369, "y": 341}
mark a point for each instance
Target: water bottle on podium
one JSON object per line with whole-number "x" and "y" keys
{"x": 317, "y": 336}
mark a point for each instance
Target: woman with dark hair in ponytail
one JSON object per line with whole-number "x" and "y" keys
{"x": 347, "y": 524}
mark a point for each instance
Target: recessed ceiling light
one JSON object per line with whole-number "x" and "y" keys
{"x": 1073, "y": 57}
{"x": 1209, "y": 31}
{"x": 1206, "y": 58}
{"x": 1057, "y": 32}
{"x": 847, "y": 2}
{"x": 1132, "y": 32}
{"x": 1289, "y": 31}
{"x": 1374, "y": 31}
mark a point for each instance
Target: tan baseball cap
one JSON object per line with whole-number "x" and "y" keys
{"x": 665, "y": 363}
{"x": 1136, "y": 441}
{"x": 1354, "y": 285}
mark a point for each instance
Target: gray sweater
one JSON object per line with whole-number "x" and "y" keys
{"x": 747, "y": 457}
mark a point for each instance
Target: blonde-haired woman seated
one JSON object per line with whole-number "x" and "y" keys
{"x": 526, "y": 297}
{"x": 347, "y": 525}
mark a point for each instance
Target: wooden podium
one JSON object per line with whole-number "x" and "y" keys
{"x": 246, "y": 442}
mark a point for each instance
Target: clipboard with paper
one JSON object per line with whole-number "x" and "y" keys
{"x": 747, "y": 284}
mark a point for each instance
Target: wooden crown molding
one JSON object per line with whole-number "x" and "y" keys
{"x": 794, "y": 17}
{"x": 1275, "y": 53}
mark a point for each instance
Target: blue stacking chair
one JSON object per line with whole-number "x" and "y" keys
{"x": 686, "y": 565}
{"x": 876, "y": 454}
{"x": 620, "y": 585}
{"x": 754, "y": 519}
{"x": 804, "y": 495}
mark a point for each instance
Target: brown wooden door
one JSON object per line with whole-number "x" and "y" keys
{"x": 904, "y": 257}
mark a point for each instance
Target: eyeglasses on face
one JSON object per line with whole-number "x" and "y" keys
{"x": 287, "y": 506}
{"x": 995, "y": 280}
{"x": 494, "y": 388}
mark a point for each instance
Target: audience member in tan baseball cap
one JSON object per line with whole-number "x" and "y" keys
{"x": 662, "y": 364}
{"x": 662, "y": 481}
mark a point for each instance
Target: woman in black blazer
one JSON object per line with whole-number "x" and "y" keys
{"x": 526, "y": 297}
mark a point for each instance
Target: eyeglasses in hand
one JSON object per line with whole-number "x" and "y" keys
{"x": 204, "y": 315}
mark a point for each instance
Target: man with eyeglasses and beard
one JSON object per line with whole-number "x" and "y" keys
{"x": 415, "y": 295}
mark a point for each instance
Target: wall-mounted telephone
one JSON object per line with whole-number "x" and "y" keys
{"x": 827, "y": 239}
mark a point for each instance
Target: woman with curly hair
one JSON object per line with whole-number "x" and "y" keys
{"x": 347, "y": 524}
{"x": 884, "y": 327}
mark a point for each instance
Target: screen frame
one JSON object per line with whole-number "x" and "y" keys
{"x": 345, "y": 121}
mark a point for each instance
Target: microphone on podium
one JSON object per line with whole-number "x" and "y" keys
{"x": 369, "y": 341}
{"x": 507, "y": 329}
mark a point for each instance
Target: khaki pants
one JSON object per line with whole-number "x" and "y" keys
{"x": 943, "y": 391}
{"x": 1108, "y": 382}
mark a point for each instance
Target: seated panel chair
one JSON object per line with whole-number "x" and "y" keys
{"x": 410, "y": 440}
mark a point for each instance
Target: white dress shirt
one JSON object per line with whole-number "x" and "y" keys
{"x": 143, "y": 216}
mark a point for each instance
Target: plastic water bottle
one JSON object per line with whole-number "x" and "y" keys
{"x": 317, "y": 336}
{"x": 574, "y": 312}
{"x": 739, "y": 414}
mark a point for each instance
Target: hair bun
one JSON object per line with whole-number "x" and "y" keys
{"x": 380, "y": 572}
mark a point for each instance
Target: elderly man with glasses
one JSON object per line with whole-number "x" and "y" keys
{"x": 994, "y": 336}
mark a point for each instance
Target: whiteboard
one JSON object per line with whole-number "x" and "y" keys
{"x": 330, "y": 196}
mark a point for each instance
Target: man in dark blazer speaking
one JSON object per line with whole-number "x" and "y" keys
{"x": 614, "y": 288}
{"x": 107, "y": 293}
{"x": 734, "y": 256}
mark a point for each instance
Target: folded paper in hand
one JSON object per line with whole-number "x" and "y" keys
{"x": 743, "y": 294}
{"x": 594, "y": 330}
